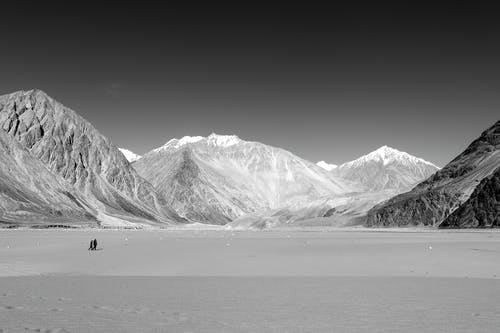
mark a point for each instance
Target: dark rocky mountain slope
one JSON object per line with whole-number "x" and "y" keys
{"x": 433, "y": 200}
{"x": 481, "y": 210}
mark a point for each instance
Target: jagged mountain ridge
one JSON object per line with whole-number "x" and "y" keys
{"x": 436, "y": 198}
{"x": 32, "y": 195}
{"x": 73, "y": 149}
{"x": 387, "y": 169}
{"x": 221, "y": 177}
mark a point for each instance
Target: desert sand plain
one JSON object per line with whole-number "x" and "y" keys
{"x": 307, "y": 280}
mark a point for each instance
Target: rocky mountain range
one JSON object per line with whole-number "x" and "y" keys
{"x": 462, "y": 194}
{"x": 56, "y": 169}
{"x": 73, "y": 150}
{"x": 382, "y": 173}
{"x": 220, "y": 177}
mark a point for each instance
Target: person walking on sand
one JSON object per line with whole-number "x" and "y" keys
{"x": 91, "y": 247}
{"x": 95, "y": 243}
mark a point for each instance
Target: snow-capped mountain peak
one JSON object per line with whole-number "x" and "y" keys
{"x": 326, "y": 166}
{"x": 213, "y": 140}
{"x": 387, "y": 168}
{"x": 129, "y": 155}
{"x": 177, "y": 143}
{"x": 223, "y": 140}
{"x": 387, "y": 155}
{"x": 183, "y": 141}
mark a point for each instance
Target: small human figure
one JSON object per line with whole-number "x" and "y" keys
{"x": 91, "y": 247}
{"x": 95, "y": 244}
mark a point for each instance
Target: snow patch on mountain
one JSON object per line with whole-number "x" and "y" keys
{"x": 129, "y": 155}
{"x": 223, "y": 140}
{"x": 326, "y": 166}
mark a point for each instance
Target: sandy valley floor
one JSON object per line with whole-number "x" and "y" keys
{"x": 268, "y": 281}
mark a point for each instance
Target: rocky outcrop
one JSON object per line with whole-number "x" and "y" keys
{"x": 428, "y": 208}
{"x": 433, "y": 200}
{"x": 31, "y": 195}
{"x": 481, "y": 210}
{"x": 73, "y": 149}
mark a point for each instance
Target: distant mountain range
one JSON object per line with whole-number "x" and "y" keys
{"x": 56, "y": 169}
{"x": 219, "y": 178}
{"x": 380, "y": 174}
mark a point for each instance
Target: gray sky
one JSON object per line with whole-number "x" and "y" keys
{"x": 325, "y": 83}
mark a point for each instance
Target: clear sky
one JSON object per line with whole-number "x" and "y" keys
{"x": 325, "y": 83}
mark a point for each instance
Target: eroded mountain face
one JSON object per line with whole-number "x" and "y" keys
{"x": 482, "y": 209}
{"x": 72, "y": 148}
{"x": 432, "y": 201}
{"x": 32, "y": 195}
{"x": 221, "y": 177}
